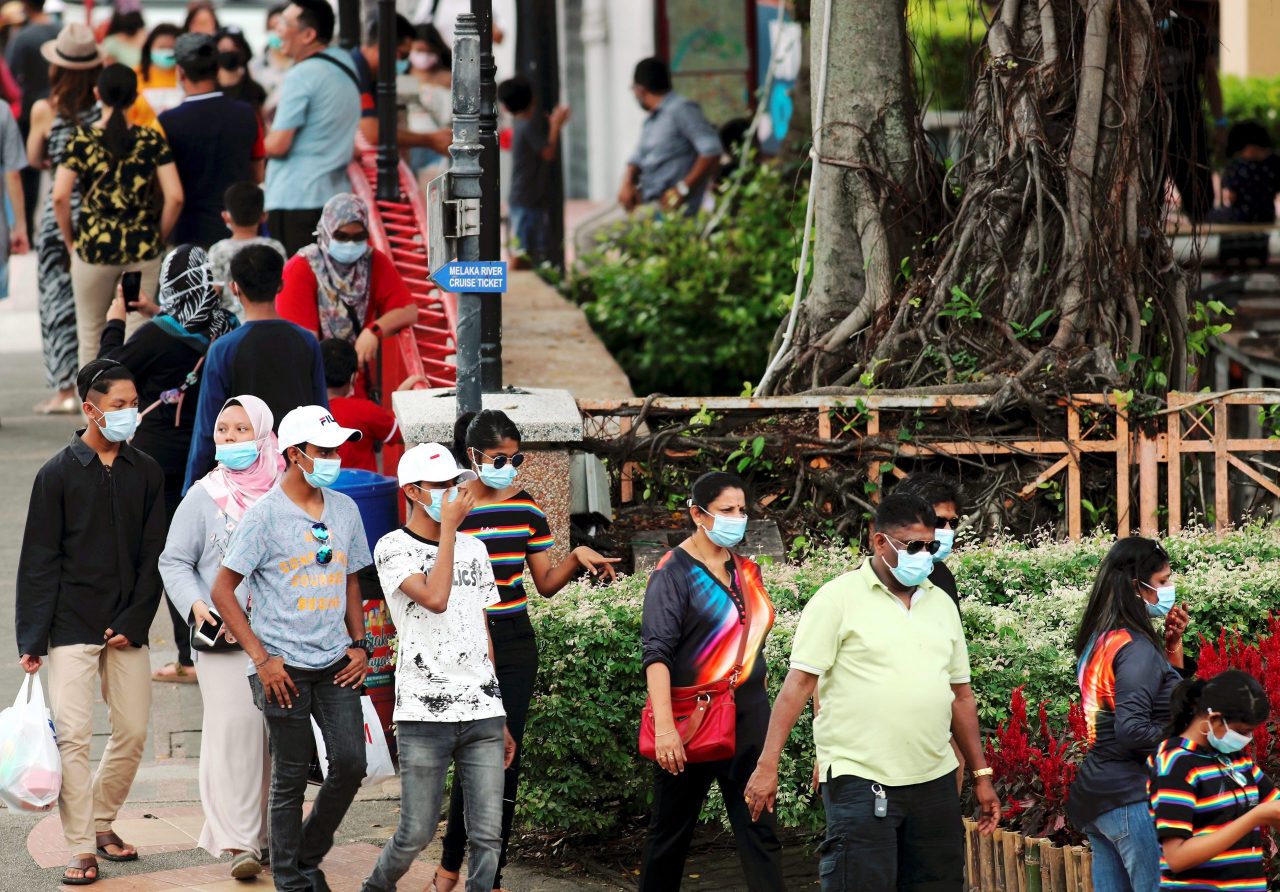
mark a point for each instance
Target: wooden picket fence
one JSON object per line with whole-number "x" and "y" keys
{"x": 1007, "y": 861}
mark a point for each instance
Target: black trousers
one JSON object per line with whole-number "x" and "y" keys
{"x": 516, "y": 651}
{"x": 295, "y": 229}
{"x": 678, "y": 799}
{"x": 918, "y": 846}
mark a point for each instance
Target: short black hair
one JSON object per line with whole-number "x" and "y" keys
{"x": 404, "y": 30}
{"x": 340, "y": 361}
{"x": 34, "y": 5}
{"x": 933, "y": 488}
{"x": 1247, "y": 133}
{"x": 652, "y": 74}
{"x": 244, "y": 202}
{"x": 317, "y": 15}
{"x": 201, "y": 64}
{"x": 515, "y": 94}
{"x": 258, "y": 271}
{"x": 709, "y": 487}
{"x": 98, "y": 376}
{"x": 900, "y": 510}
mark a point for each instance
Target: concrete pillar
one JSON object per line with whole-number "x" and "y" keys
{"x": 550, "y": 428}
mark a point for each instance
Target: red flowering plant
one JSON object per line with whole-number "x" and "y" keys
{"x": 1034, "y": 768}
{"x": 1261, "y": 659}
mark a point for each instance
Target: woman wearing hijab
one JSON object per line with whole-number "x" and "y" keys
{"x": 234, "y": 764}
{"x": 342, "y": 287}
{"x": 165, "y": 356}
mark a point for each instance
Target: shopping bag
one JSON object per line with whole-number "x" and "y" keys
{"x": 377, "y": 757}
{"x": 30, "y": 769}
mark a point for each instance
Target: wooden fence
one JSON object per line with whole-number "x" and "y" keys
{"x": 1185, "y": 451}
{"x": 1009, "y": 862}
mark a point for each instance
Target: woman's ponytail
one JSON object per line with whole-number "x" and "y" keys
{"x": 460, "y": 438}
{"x": 118, "y": 90}
{"x": 1183, "y": 705}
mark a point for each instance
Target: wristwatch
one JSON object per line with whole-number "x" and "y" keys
{"x": 682, "y": 189}
{"x": 364, "y": 645}
{"x": 377, "y": 330}
{"x": 984, "y": 772}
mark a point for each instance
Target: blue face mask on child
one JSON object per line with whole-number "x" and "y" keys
{"x": 323, "y": 473}
{"x": 436, "y": 505}
{"x": 1231, "y": 741}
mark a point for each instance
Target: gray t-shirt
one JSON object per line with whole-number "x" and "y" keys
{"x": 530, "y": 172}
{"x": 443, "y": 672}
{"x": 299, "y": 605}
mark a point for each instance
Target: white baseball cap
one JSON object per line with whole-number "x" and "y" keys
{"x": 314, "y": 425}
{"x": 431, "y": 463}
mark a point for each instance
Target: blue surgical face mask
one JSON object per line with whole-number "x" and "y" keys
{"x": 274, "y": 41}
{"x": 324, "y": 472}
{"x": 436, "y": 505}
{"x": 946, "y": 538}
{"x": 496, "y": 478}
{"x": 724, "y": 531}
{"x": 236, "y": 456}
{"x": 912, "y": 569}
{"x": 1165, "y": 597}
{"x": 163, "y": 59}
{"x": 402, "y": 66}
{"x": 119, "y": 425}
{"x": 348, "y": 252}
{"x": 1231, "y": 741}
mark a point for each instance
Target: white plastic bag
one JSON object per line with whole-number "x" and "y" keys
{"x": 377, "y": 757}
{"x": 30, "y": 769}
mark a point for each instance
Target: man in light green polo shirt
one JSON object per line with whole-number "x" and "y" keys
{"x": 885, "y": 650}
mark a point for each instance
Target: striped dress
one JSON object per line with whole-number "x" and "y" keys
{"x": 511, "y": 530}
{"x": 1195, "y": 790}
{"x": 57, "y": 303}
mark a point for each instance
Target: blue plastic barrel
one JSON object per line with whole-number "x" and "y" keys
{"x": 375, "y": 496}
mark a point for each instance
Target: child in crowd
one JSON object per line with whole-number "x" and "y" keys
{"x": 376, "y": 423}
{"x": 535, "y": 141}
{"x": 1251, "y": 178}
{"x": 244, "y": 217}
{"x": 1209, "y": 799}
{"x": 438, "y": 582}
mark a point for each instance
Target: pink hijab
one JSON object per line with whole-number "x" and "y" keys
{"x": 235, "y": 491}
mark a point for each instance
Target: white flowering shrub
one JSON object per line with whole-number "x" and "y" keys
{"x": 581, "y": 771}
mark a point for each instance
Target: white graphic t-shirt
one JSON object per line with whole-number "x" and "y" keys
{"x": 443, "y": 672}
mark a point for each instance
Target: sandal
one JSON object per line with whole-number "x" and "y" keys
{"x": 109, "y": 838}
{"x": 175, "y": 672}
{"x": 84, "y": 864}
{"x": 57, "y": 405}
{"x": 441, "y": 874}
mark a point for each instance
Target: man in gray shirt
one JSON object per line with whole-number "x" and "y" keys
{"x": 679, "y": 150}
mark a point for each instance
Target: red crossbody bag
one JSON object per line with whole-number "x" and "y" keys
{"x": 705, "y": 716}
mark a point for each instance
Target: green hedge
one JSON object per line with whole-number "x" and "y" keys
{"x": 946, "y": 36}
{"x": 581, "y": 772}
{"x": 1253, "y": 98}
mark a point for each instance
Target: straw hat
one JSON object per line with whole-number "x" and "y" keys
{"x": 74, "y": 48}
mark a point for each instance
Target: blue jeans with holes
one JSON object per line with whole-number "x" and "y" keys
{"x": 297, "y": 846}
{"x": 1126, "y": 852}
{"x": 426, "y": 749}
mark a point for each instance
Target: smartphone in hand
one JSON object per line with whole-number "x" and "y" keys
{"x": 131, "y": 286}
{"x": 207, "y": 632}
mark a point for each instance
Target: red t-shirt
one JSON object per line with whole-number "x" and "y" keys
{"x": 297, "y": 298}
{"x": 376, "y": 423}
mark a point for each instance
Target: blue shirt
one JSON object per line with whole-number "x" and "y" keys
{"x": 322, "y": 106}
{"x": 272, "y": 359}
{"x": 298, "y": 606}
{"x": 675, "y": 135}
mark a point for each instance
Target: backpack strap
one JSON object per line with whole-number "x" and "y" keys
{"x": 336, "y": 64}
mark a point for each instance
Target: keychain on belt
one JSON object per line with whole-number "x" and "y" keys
{"x": 882, "y": 801}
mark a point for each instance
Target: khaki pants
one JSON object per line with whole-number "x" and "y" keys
{"x": 94, "y": 286}
{"x": 89, "y": 803}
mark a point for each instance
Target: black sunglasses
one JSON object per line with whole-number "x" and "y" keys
{"x": 500, "y": 461}
{"x": 949, "y": 522}
{"x": 915, "y": 546}
{"x": 324, "y": 554}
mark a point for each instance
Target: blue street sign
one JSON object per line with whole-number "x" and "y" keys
{"x": 472, "y": 276}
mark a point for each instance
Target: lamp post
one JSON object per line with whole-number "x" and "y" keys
{"x": 466, "y": 188}
{"x": 538, "y": 59}
{"x": 388, "y": 149}
{"x": 490, "y": 211}
{"x": 348, "y": 24}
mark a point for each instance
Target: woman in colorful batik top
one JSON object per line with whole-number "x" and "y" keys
{"x": 515, "y": 531}
{"x": 1127, "y": 672}
{"x": 701, "y": 600}
{"x": 1209, "y": 799}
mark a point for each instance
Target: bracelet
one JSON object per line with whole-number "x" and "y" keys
{"x": 664, "y": 733}
{"x": 984, "y": 772}
{"x": 265, "y": 661}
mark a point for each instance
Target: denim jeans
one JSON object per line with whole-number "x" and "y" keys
{"x": 529, "y": 227}
{"x": 426, "y": 749}
{"x": 918, "y": 845}
{"x": 298, "y": 847}
{"x": 1126, "y": 852}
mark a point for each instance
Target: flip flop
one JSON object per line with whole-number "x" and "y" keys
{"x": 442, "y": 874}
{"x": 84, "y": 864}
{"x": 55, "y": 406}
{"x": 175, "y": 673}
{"x": 109, "y": 838}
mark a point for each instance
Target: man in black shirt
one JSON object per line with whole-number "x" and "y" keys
{"x": 216, "y": 142}
{"x": 267, "y": 357}
{"x": 31, "y": 70}
{"x": 88, "y": 588}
